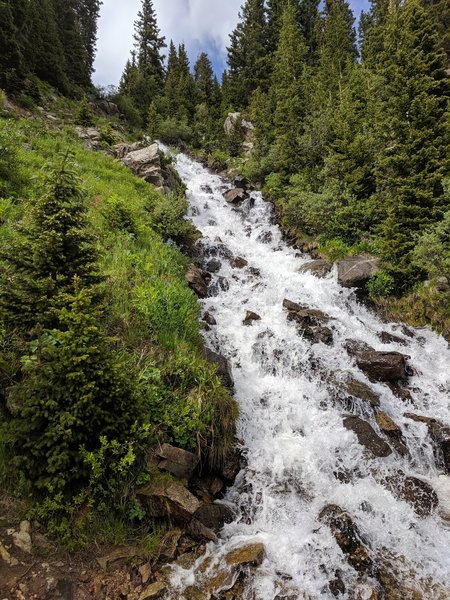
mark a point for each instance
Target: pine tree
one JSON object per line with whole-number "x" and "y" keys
{"x": 414, "y": 135}
{"x": 88, "y": 13}
{"x": 185, "y": 87}
{"x": 247, "y": 54}
{"x": 288, "y": 80}
{"x": 12, "y": 71}
{"x": 204, "y": 80}
{"x": 70, "y": 34}
{"x": 440, "y": 9}
{"x": 149, "y": 44}
{"x": 51, "y": 250}
{"x": 171, "y": 83}
{"x": 72, "y": 391}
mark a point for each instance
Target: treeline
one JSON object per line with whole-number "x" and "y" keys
{"x": 351, "y": 139}
{"x": 53, "y": 40}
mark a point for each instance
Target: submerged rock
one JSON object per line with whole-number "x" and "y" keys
{"x": 310, "y": 321}
{"x": 358, "y": 389}
{"x": 355, "y": 271}
{"x": 239, "y": 262}
{"x": 253, "y": 555}
{"x": 235, "y": 196}
{"x": 347, "y": 537}
{"x": 378, "y": 366}
{"x": 416, "y": 492}
{"x": 367, "y": 436}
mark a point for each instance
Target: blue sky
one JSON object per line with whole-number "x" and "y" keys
{"x": 203, "y": 25}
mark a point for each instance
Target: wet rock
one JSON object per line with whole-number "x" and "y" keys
{"x": 353, "y": 347}
{"x": 223, "y": 366}
{"x": 167, "y": 498}
{"x": 232, "y": 464}
{"x": 198, "y": 531}
{"x": 213, "y": 265}
{"x": 250, "y": 317}
{"x": 319, "y": 268}
{"x": 22, "y": 538}
{"x": 347, "y": 537}
{"x": 239, "y": 262}
{"x": 198, "y": 280}
{"x": 265, "y": 237}
{"x": 209, "y": 318}
{"x": 241, "y": 182}
{"x": 155, "y": 590}
{"x": 390, "y": 338}
{"x": 367, "y": 436}
{"x": 402, "y": 393}
{"x": 337, "y": 586}
{"x": 253, "y": 555}
{"x": 207, "y": 189}
{"x": 358, "y": 389}
{"x": 169, "y": 543}
{"x": 254, "y": 271}
{"x": 221, "y": 285}
{"x": 214, "y": 516}
{"x": 303, "y": 315}
{"x": 378, "y": 366}
{"x": 417, "y": 493}
{"x": 236, "y": 196}
{"x": 393, "y": 431}
{"x": 317, "y": 333}
{"x": 179, "y": 462}
{"x": 355, "y": 271}
{"x": 440, "y": 436}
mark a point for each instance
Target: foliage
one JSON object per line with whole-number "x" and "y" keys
{"x": 85, "y": 116}
{"x": 380, "y": 285}
{"x": 432, "y": 251}
{"x": 172, "y": 131}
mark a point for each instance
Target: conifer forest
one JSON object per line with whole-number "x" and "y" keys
{"x": 225, "y": 301}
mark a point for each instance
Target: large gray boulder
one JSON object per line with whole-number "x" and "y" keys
{"x": 177, "y": 461}
{"x": 166, "y": 498}
{"x": 355, "y": 271}
{"x": 146, "y": 163}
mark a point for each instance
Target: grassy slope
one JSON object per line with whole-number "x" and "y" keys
{"x": 150, "y": 311}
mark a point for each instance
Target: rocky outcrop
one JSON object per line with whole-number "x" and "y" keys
{"x": 355, "y": 271}
{"x": 319, "y": 268}
{"x": 167, "y": 498}
{"x": 176, "y": 461}
{"x": 146, "y": 161}
{"x": 229, "y": 126}
{"x": 106, "y": 108}
{"x": 367, "y": 436}
{"x": 91, "y": 137}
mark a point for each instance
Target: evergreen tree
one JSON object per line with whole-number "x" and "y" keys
{"x": 51, "y": 250}
{"x": 171, "y": 83}
{"x": 310, "y": 23}
{"x": 185, "y": 87}
{"x": 247, "y": 54}
{"x": 288, "y": 80}
{"x": 149, "y": 44}
{"x": 414, "y": 134}
{"x": 88, "y": 13}
{"x": 70, "y": 34}
{"x": 204, "y": 80}
{"x": 72, "y": 392}
{"x": 12, "y": 72}
{"x": 440, "y": 9}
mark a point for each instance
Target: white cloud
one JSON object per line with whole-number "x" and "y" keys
{"x": 198, "y": 23}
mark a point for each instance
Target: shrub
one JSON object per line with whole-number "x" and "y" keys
{"x": 172, "y": 131}
{"x": 107, "y": 135}
{"x": 85, "y": 115}
{"x": 432, "y": 252}
{"x": 380, "y": 285}
{"x": 168, "y": 217}
{"x": 218, "y": 160}
{"x": 10, "y": 179}
{"x": 118, "y": 216}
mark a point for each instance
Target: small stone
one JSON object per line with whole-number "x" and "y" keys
{"x": 239, "y": 262}
{"x": 145, "y": 571}
{"x": 208, "y": 318}
{"x": 22, "y": 538}
{"x": 319, "y": 268}
{"x": 250, "y": 317}
{"x": 386, "y": 424}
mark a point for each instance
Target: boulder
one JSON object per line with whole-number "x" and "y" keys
{"x": 310, "y": 322}
{"x": 213, "y": 265}
{"x": 241, "y": 182}
{"x": 232, "y": 464}
{"x": 179, "y": 462}
{"x": 252, "y": 555}
{"x": 146, "y": 163}
{"x": 390, "y": 338}
{"x": 235, "y": 196}
{"x": 198, "y": 280}
{"x": 402, "y": 393}
{"x": 223, "y": 366}
{"x": 358, "y": 389}
{"x": 200, "y": 532}
{"x": 367, "y": 436}
{"x": 22, "y": 537}
{"x": 209, "y": 318}
{"x": 393, "y": 431}
{"x": 214, "y": 516}
{"x": 91, "y": 137}
{"x": 347, "y": 537}
{"x": 416, "y": 492}
{"x": 319, "y": 268}
{"x": 239, "y": 262}
{"x": 166, "y": 498}
{"x": 107, "y": 108}
{"x": 250, "y": 317}
{"x": 230, "y": 124}
{"x": 169, "y": 544}
{"x": 154, "y": 590}
{"x": 378, "y": 366}
{"x": 355, "y": 271}
{"x": 318, "y": 333}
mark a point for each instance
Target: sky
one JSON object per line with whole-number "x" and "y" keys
{"x": 203, "y": 25}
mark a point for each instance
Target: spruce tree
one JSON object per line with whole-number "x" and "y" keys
{"x": 50, "y": 251}
{"x": 149, "y": 44}
{"x": 414, "y": 135}
{"x": 88, "y": 14}
{"x": 204, "y": 80}
{"x": 247, "y": 54}
{"x": 72, "y": 391}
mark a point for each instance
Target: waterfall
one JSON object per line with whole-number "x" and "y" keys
{"x": 300, "y": 457}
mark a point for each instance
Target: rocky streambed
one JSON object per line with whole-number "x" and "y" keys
{"x": 345, "y": 488}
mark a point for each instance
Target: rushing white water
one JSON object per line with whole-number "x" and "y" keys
{"x": 292, "y": 427}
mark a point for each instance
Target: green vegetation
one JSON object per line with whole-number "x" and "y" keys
{"x": 100, "y": 348}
